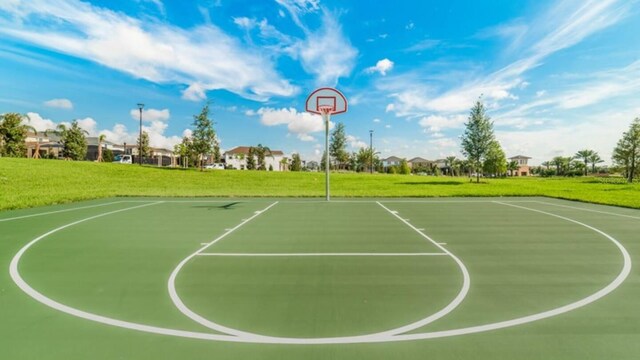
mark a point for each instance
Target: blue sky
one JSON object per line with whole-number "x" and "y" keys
{"x": 556, "y": 77}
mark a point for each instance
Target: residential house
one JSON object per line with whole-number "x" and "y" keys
{"x": 419, "y": 163}
{"x": 391, "y": 161}
{"x": 236, "y": 158}
{"x": 523, "y": 167}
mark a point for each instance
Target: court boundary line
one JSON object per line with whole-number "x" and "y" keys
{"x": 589, "y": 210}
{"x": 60, "y": 211}
{"x": 227, "y": 338}
{"x": 184, "y": 309}
{"x": 277, "y": 339}
{"x": 316, "y": 254}
{"x": 466, "y": 280}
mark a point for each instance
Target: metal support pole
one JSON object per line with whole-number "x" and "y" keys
{"x": 140, "y": 106}
{"x": 327, "y": 165}
{"x": 371, "y": 151}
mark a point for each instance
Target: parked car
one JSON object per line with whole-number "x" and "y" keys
{"x": 123, "y": 159}
{"x": 214, "y": 166}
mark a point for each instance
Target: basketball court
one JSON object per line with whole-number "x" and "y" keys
{"x": 480, "y": 278}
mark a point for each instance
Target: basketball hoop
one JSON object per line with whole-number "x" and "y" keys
{"x": 326, "y": 102}
{"x": 325, "y": 109}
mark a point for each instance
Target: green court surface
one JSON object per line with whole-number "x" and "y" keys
{"x": 183, "y": 278}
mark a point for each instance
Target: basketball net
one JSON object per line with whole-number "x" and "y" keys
{"x": 325, "y": 109}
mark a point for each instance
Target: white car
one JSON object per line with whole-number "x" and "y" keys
{"x": 123, "y": 159}
{"x": 215, "y": 166}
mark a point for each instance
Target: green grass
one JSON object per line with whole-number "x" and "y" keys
{"x": 28, "y": 183}
{"x": 520, "y": 262}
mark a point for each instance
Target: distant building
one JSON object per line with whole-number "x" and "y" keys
{"x": 418, "y": 162}
{"x": 391, "y": 161}
{"x": 523, "y": 167}
{"x": 237, "y": 159}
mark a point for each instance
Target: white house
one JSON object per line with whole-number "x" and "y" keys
{"x": 237, "y": 158}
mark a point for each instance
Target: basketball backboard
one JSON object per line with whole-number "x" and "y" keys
{"x": 325, "y": 99}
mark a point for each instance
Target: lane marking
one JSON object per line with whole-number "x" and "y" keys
{"x": 13, "y": 270}
{"x": 320, "y": 254}
{"x": 180, "y": 305}
{"x": 589, "y": 210}
{"x": 466, "y": 282}
{"x": 60, "y": 211}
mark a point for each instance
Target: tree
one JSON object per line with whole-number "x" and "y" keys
{"x": 184, "y": 150}
{"x": 495, "y": 162}
{"x": 595, "y": 159}
{"x": 512, "y": 166}
{"x": 204, "y": 137}
{"x": 261, "y": 152}
{"x": 296, "y": 163}
{"x": 627, "y": 152}
{"x": 585, "y": 155}
{"x": 73, "y": 140}
{"x": 338, "y": 145}
{"x": 101, "y": 139}
{"x": 251, "y": 160}
{"x": 107, "y": 155}
{"x": 144, "y": 148}
{"x": 12, "y": 135}
{"x": 449, "y": 161}
{"x": 477, "y": 137}
{"x": 404, "y": 167}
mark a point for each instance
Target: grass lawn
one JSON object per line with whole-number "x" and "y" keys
{"x": 29, "y": 183}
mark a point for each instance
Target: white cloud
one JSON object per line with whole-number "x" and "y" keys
{"x": 302, "y": 124}
{"x": 326, "y": 53}
{"x": 355, "y": 142}
{"x": 422, "y": 45}
{"x": 376, "y": 120}
{"x": 151, "y": 50}
{"x": 564, "y": 25}
{"x": 149, "y": 115}
{"x": 541, "y": 93}
{"x": 410, "y": 26}
{"x": 437, "y": 123}
{"x": 59, "y": 103}
{"x": 297, "y": 8}
{"x": 40, "y": 123}
{"x": 244, "y": 22}
{"x": 387, "y": 126}
{"x": 382, "y": 66}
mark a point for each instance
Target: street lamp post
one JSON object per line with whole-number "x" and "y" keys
{"x": 140, "y": 107}
{"x": 371, "y": 151}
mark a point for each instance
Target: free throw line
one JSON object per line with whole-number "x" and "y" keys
{"x": 320, "y": 254}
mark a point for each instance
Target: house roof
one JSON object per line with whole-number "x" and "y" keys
{"x": 392, "y": 158}
{"x": 519, "y": 157}
{"x": 245, "y": 150}
{"x": 418, "y": 160}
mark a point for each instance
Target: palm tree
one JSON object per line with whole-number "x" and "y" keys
{"x": 585, "y": 155}
{"x": 30, "y": 129}
{"x": 558, "y": 162}
{"x": 101, "y": 139}
{"x": 547, "y": 164}
{"x": 512, "y": 166}
{"x": 448, "y": 161}
{"x": 595, "y": 159}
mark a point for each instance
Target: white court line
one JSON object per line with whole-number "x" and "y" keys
{"x": 177, "y": 301}
{"x": 319, "y": 254}
{"x": 466, "y": 282}
{"x": 60, "y": 211}
{"x": 13, "y": 270}
{"x": 589, "y": 210}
